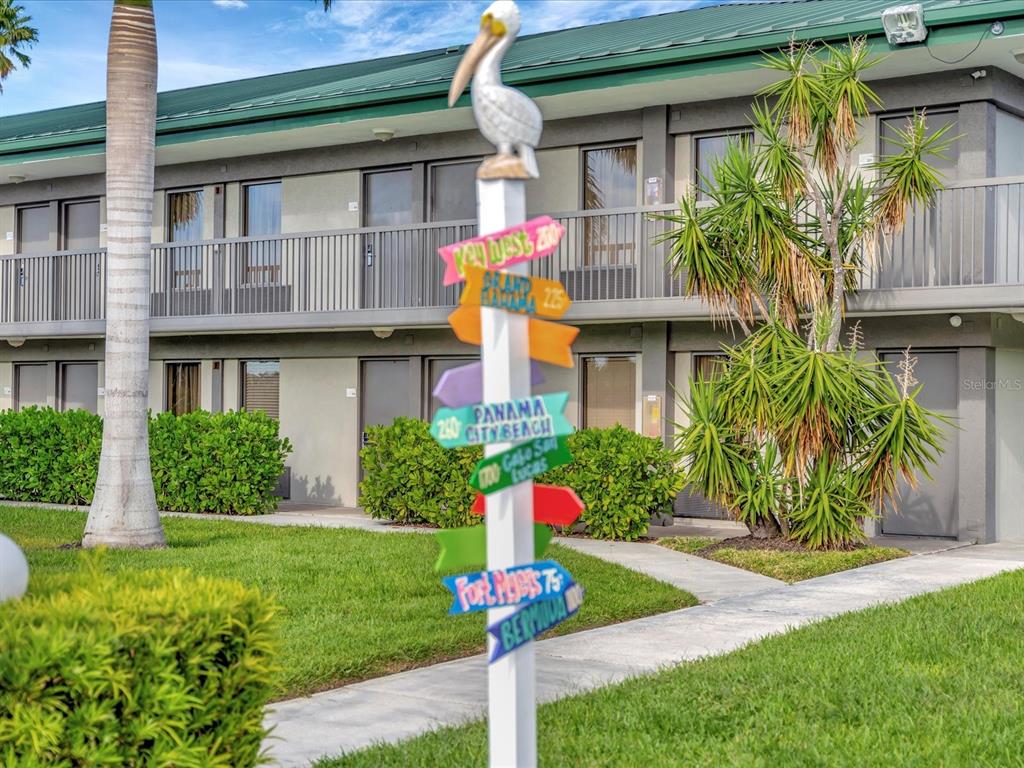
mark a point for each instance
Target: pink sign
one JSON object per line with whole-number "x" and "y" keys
{"x": 523, "y": 242}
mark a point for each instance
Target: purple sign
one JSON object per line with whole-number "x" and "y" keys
{"x": 464, "y": 385}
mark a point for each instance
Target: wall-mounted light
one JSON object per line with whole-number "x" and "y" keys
{"x": 16, "y": 342}
{"x": 904, "y": 24}
{"x": 383, "y": 134}
{"x": 956, "y": 321}
{"x": 16, "y": 179}
{"x": 383, "y": 333}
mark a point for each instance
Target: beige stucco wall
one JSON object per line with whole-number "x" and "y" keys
{"x": 232, "y": 392}
{"x": 319, "y": 201}
{"x": 156, "y": 386}
{"x": 6, "y": 386}
{"x": 1009, "y": 426}
{"x": 206, "y": 385}
{"x": 558, "y": 188}
{"x": 323, "y": 426}
{"x": 6, "y": 226}
{"x": 232, "y": 209}
{"x": 159, "y": 216}
{"x": 684, "y": 165}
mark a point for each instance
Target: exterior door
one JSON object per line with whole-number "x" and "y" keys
{"x": 78, "y": 386}
{"x": 386, "y": 393}
{"x": 30, "y": 385}
{"x": 390, "y": 269}
{"x": 931, "y": 508}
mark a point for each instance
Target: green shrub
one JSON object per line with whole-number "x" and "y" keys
{"x": 135, "y": 669}
{"x": 49, "y": 456}
{"x": 622, "y": 477}
{"x": 226, "y": 463}
{"x": 410, "y": 478}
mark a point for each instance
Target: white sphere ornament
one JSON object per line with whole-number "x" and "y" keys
{"x": 13, "y": 570}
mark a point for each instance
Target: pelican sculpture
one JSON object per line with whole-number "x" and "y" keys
{"x": 506, "y": 117}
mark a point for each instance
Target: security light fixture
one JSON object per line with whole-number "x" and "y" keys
{"x": 904, "y": 24}
{"x": 956, "y": 321}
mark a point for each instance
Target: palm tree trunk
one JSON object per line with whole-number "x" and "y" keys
{"x": 124, "y": 512}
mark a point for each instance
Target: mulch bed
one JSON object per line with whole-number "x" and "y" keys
{"x": 775, "y": 544}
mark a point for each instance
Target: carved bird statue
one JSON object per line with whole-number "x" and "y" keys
{"x": 506, "y": 117}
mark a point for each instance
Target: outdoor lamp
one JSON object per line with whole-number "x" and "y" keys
{"x": 13, "y": 570}
{"x": 904, "y": 24}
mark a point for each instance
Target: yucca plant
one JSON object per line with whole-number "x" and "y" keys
{"x": 799, "y": 435}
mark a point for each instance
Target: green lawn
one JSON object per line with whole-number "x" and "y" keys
{"x": 932, "y": 682}
{"x": 789, "y": 566}
{"x": 355, "y": 604}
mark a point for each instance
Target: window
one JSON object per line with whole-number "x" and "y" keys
{"x": 609, "y": 181}
{"x": 78, "y": 386}
{"x": 709, "y": 150}
{"x": 182, "y": 388}
{"x": 453, "y": 191}
{"x": 30, "y": 385}
{"x": 388, "y": 198}
{"x": 262, "y": 219}
{"x": 261, "y": 387}
{"x": 185, "y": 216}
{"x": 609, "y": 177}
{"x": 609, "y": 391}
{"x": 436, "y": 368}
{"x": 707, "y": 366}
{"x": 933, "y": 122}
{"x": 185, "y": 225}
{"x": 80, "y": 225}
{"x": 34, "y": 229}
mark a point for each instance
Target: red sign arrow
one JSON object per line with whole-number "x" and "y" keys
{"x": 552, "y": 505}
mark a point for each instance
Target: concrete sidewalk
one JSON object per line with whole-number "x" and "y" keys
{"x": 401, "y": 706}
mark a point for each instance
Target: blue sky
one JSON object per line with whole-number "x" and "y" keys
{"x": 207, "y": 41}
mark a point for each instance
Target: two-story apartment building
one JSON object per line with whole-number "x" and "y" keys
{"x": 297, "y": 218}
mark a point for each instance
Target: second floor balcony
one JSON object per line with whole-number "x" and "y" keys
{"x": 964, "y": 252}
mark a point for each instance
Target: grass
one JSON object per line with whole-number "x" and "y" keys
{"x": 354, "y": 604}
{"x": 787, "y": 565}
{"x": 934, "y": 681}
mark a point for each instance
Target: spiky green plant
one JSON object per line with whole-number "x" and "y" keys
{"x": 799, "y": 435}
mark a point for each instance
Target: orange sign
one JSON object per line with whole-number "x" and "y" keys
{"x": 549, "y": 342}
{"x": 515, "y": 293}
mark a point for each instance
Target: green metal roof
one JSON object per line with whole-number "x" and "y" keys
{"x": 620, "y": 52}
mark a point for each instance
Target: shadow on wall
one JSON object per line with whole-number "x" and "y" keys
{"x": 315, "y": 491}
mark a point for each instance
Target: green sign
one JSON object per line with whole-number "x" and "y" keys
{"x": 520, "y": 463}
{"x": 467, "y": 547}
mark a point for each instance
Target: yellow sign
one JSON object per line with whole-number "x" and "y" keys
{"x": 515, "y": 293}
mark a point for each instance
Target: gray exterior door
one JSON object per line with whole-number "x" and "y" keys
{"x": 931, "y": 508}
{"x": 30, "y": 385}
{"x": 386, "y": 392}
{"x": 78, "y": 384}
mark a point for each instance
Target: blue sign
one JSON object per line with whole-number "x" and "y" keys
{"x": 512, "y": 421}
{"x": 520, "y": 585}
{"x": 531, "y": 620}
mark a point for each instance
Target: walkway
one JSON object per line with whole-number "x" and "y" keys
{"x": 404, "y": 705}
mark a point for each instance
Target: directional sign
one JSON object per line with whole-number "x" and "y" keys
{"x": 464, "y": 385}
{"x": 519, "y": 463}
{"x": 552, "y": 505}
{"x": 531, "y": 620}
{"x": 509, "y": 422}
{"x": 505, "y": 587}
{"x": 521, "y": 242}
{"x": 549, "y": 342}
{"x": 467, "y": 547}
{"x": 522, "y": 294}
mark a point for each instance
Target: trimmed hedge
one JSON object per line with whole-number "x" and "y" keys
{"x": 136, "y": 668}
{"x": 623, "y": 478}
{"x": 410, "y": 478}
{"x": 226, "y": 463}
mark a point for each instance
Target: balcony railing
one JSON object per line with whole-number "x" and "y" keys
{"x": 973, "y": 235}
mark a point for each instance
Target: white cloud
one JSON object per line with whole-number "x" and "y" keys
{"x": 234, "y": 4}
